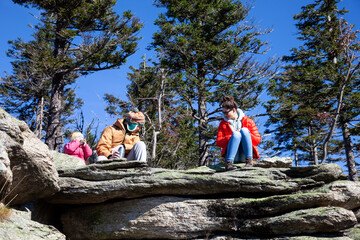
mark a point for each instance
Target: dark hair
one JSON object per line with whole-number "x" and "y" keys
{"x": 228, "y": 102}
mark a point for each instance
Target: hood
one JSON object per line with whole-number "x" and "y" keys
{"x": 236, "y": 124}
{"x": 119, "y": 123}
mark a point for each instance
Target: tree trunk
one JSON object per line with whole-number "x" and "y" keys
{"x": 39, "y": 118}
{"x": 296, "y": 156}
{"x": 55, "y": 112}
{"x": 153, "y": 151}
{"x": 158, "y": 126}
{"x": 313, "y": 148}
{"x": 57, "y": 90}
{"x": 349, "y": 150}
{"x": 315, "y": 151}
{"x": 335, "y": 119}
{"x": 203, "y": 138}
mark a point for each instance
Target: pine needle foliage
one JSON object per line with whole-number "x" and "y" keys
{"x": 210, "y": 49}
{"x": 314, "y": 97}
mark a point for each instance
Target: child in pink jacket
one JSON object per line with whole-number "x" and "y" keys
{"x": 78, "y": 147}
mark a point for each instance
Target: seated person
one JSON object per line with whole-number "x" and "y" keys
{"x": 237, "y": 135}
{"x": 78, "y": 147}
{"x": 122, "y": 139}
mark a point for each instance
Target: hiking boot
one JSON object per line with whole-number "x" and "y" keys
{"x": 229, "y": 166}
{"x": 248, "y": 162}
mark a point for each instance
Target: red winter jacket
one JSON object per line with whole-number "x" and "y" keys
{"x": 225, "y": 132}
{"x": 76, "y": 149}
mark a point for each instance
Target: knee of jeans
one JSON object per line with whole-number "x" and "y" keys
{"x": 236, "y": 135}
{"x": 244, "y": 130}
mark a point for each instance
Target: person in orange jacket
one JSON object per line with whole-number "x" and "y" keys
{"x": 237, "y": 135}
{"x": 121, "y": 140}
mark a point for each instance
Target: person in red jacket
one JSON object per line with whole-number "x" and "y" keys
{"x": 78, "y": 147}
{"x": 237, "y": 135}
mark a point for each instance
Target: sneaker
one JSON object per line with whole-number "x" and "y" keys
{"x": 101, "y": 159}
{"x": 229, "y": 166}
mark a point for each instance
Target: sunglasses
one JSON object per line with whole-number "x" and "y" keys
{"x": 132, "y": 126}
{"x": 136, "y": 124}
{"x": 226, "y": 112}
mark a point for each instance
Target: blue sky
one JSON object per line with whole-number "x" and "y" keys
{"x": 276, "y": 14}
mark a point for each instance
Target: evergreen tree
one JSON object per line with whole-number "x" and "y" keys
{"x": 211, "y": 48}
{"x": 87, "y": 36}
{"x": 348, "y": 84}
{"x": 318, "y": 88}
{"x": 26, "y": 93}
{"x": 169, "y": 128}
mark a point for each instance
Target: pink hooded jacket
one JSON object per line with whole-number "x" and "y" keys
{"x": 74, "y": 148}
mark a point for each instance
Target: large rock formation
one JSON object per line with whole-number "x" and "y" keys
{"x": 122, "y": 199}
{"x": 127, "y": 200}
{"x": 27, "y": 170}
{"x": 99, "y": 183}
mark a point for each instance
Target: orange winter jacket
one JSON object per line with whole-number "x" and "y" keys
{"x": 116, "y": 135}
{"x": 225, "y": 132}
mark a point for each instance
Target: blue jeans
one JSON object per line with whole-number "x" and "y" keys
{"x": 239, "y": 147}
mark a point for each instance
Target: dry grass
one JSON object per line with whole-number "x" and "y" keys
{"x": 5, "y": 212}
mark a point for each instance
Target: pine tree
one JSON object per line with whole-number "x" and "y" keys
{"x": 348, "y": 89}
{"x": 318, "y": 88}
{"x": 87, "y": 36}
{"x": 211, "y": 48}
{"x": 26, "y": 93}
{"x": 169, "y": 126}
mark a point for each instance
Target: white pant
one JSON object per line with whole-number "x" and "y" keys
{"x": 137, "y": 153}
